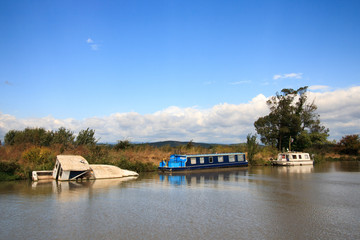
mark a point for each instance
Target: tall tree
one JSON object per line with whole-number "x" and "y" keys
{"x": 86, "y": 137}
{"x": 291, "y": 119}
{"x": 252, "y": 147}
{"x": 63, "y": 136}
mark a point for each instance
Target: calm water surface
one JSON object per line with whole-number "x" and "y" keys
{"x": 320, "y": 202}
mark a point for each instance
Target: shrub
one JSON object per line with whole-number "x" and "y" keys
{"x": 8, "y": 170}
{"x": 122, "y": 145}
{"x": 135, "y": 166}
{"x": 39, "y": 158}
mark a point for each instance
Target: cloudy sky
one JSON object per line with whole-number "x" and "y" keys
{"x": 175, "y": 70}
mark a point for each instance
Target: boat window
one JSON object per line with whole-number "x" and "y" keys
{"x": 202, "y": 160}
{"x": 306, "y": 156}
{"x": 193, "y": 160}
{"x": 241, "y": 158}
{"x": 220, "y": 159}
{"x": 294, "y": 156}
{"x": 211, "y": 160}
{"x": 299, "y": 156}
{"x": 231, "y": 158}
{"x": 283, "y": 156}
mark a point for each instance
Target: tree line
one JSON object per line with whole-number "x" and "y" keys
{"x": 42, "y": 137}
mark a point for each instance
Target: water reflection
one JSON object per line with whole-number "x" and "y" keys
{"x": 307, "y": 202}
{"x": 202, "y": 177}
{"x": 72, "y": 190}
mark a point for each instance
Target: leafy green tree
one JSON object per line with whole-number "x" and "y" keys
{"x": 86, "y": 137}
{"x": 252, "y": 147}
{"x": 349, "y": 144}
{"x": 291, "y": 118}
{"x": 10, "y": 137}
{"x": 34, "y": 136}
{"x": 63, "y": 136}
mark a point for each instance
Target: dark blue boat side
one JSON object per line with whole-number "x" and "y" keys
{"x": 203, "y": 161}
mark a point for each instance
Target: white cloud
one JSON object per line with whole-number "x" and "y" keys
{"x": 240, "y": 82}
{"x": 94, "y": 46}
{"x": 223, "y": 123}
{"x": 339, "y": 110}
{"x": 319, "y": 88}
{"x": 288, "y": 75}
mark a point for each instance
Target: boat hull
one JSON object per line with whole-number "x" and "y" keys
{"x": 288, "y": 163}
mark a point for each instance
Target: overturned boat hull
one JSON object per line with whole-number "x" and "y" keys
{"x": 74, "y": 167}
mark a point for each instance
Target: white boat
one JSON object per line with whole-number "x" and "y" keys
{"x": 74, "y": 167}
{"x": 293, "y": 159}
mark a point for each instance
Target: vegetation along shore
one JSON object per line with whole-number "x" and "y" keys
{"x": 292, "y": 124}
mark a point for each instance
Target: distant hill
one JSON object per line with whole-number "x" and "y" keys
{"x": 179, "y": 143}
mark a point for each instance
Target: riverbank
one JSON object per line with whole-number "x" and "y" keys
{"x": 18, "y": 161}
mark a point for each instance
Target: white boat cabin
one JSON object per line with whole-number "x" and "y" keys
{"x": 71, "y": 167}
{"x": 293, "y": 159}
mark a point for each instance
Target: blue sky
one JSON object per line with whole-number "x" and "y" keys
{"x": 76, "y": 61}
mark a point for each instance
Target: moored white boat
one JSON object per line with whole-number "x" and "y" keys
{"x": 293, "y": 159}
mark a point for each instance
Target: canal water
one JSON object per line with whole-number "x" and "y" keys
{"x": 314, "y": 202}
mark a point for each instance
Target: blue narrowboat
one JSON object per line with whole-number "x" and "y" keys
{"x": 203, "y": 161}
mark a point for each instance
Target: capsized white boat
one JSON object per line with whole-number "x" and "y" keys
{"x": 73, "y": 167}
{"x": 293, "y": 159}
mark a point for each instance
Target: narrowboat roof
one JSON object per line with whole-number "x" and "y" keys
{"x": 207, "y": 155}
{"x": 73, "y": 163}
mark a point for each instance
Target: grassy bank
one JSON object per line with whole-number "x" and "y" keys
{"x": 17, "y": 161}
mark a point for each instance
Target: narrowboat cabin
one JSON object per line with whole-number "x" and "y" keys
{"x": 293, "y": 159}
{"x": 203, "y": 161}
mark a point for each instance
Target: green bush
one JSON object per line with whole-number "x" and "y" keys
{"x": 39, "y": 158}
{"x": 135, "y": 166}
{"x": 98, "y": 155}
{"x": 8, "y": 171}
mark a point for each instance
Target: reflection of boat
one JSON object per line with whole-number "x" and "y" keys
{"x": 73, "y": 167}
{"x": 203, "y": 161}
{"x": 202, "y": 176}
{"x": 73, "y": 190}
{"x": 293, "y": 159}
{"x": 297, "y": 169}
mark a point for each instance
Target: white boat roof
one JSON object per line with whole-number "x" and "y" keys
{"x": 73, "y": 163}
{"x": 293, "y": 153}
